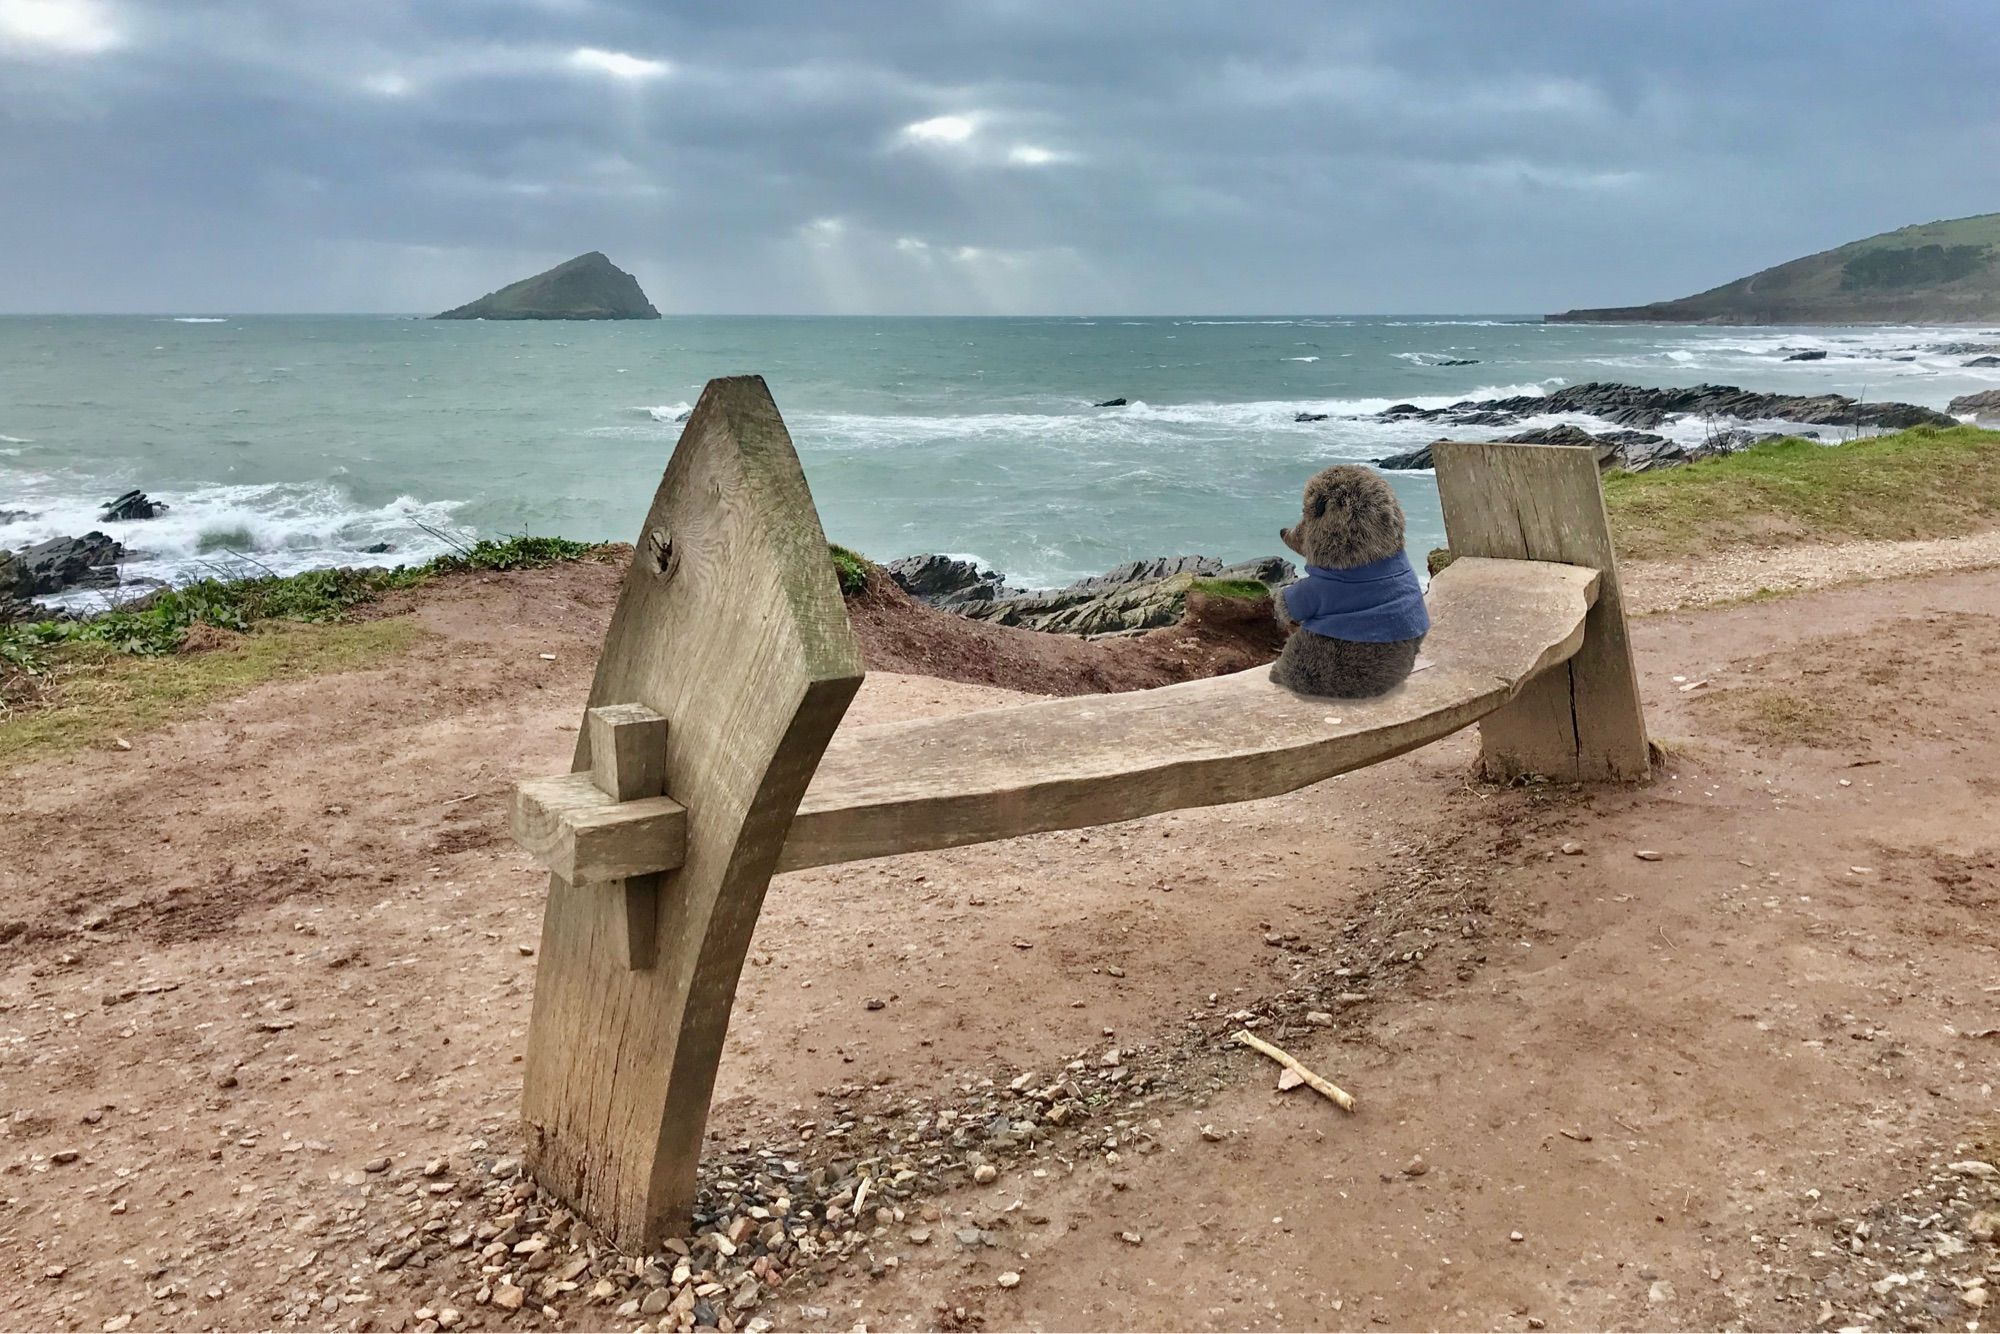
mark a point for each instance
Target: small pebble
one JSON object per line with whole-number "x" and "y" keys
{"x": 1010, "y": 1279}
{"x": 1647, "y": 855}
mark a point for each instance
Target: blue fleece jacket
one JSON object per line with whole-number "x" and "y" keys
{"x": 1377, "y": 603}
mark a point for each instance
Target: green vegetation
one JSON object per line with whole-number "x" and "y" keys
{"x": 158, "y": 624}
{"x": 1247, "y": 589}
{"x": 1942, "y": 272}
{"x": 91, "y": 693}
{"x": 1925, "y": 482}
{"x": 70, "y": 683}
{"x": 851, "y": 569}
{"x": 1911, "y": 266}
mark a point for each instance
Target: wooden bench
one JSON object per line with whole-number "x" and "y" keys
{"x": 710, "y": 760}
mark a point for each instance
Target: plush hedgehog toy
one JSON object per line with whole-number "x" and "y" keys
{"x": 1357, "y": 618}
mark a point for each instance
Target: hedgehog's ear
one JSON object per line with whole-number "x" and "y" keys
{"x": 1319, "y": 506}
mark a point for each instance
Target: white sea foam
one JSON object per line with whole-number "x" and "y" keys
{"x": 15, "y": 440}
{"x": 1301, "y": 358}
{"x": 200, "y": 319}
{"x": 234, "y": 530}
{"x": 668, "y": 412}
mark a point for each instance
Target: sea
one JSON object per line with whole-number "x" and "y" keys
{"x": 283, "y": 443}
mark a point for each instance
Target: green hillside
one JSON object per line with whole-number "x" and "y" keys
{"x": 1933, "y": 273}
{"x": 589, "y": 287}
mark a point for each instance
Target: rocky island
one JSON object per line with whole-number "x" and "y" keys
{"x": 589, "y": 287}
{"x": 1934, "y": 273}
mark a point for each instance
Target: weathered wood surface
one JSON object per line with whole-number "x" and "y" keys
{"x": 1544, "y": 503}
{"x": 586, "y": 837}
{"x": 628, "y": 751}
{"x": 1096, "y": 759}
{"x": 628, "y": 762}
{"x": 729, "y": 625}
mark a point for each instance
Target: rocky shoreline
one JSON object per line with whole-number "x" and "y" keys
{"x": 1136, "y": 596}
{"x": 64, "y": 563}
{"x": 1638, "y": 412}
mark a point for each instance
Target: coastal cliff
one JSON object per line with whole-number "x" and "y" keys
{"x": 589, "y": 287}
{"x": 1934, "y": 273}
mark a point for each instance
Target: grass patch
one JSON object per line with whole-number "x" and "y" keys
{"x": 157, "y": 626}
{"x": 1928, "y": 481}
{"x": 93, "y": 693}
{"x": 1247, "y": 589}
{"x": 1774, "y": 717}
{"x": 851, "y": 569}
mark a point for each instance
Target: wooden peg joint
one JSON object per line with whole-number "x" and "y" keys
{"x": 610, "y": 827}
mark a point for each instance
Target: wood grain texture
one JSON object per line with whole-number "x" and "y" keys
{"x": 1544, "y": 503}
{"x": 729, "y": 625}
{"x": 584, "y": 836}
{"x": 628, "y": 751}
{"x": 628, "y": 762}
{"x": 1096, "y": 759}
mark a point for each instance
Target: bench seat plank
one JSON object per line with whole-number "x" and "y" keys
{"x": 1097, "y": 759}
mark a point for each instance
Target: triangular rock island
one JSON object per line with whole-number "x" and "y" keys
{"x": 589, "y": 287}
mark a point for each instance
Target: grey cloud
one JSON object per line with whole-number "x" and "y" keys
{"x": 1377, "y": 155}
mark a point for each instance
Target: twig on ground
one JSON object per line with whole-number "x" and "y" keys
{"x": 1337, "y": 1095}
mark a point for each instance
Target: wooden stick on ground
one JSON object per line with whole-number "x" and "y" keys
{"x": 1333, "y": 1092}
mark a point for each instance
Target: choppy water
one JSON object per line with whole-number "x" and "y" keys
{"x": 301, "y": 440}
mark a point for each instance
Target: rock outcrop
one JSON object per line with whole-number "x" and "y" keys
{"x": 1627, "y": 451}
{"x": 132, "y": 505}
{"x": 944, "y": 581}
{"x": 1935, "y": 273}
{"x": 1643, "y": 409}
{"x": 589, "y": 287}
{"x": 1138, "y": 595}
{"x": 1984, "y": 405}
{"x": 89, "y": 561}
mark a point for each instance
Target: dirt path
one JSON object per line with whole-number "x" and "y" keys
{"x": 264, "y": 982}
{"x": 1730, "y": 576}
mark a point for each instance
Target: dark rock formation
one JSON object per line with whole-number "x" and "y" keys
{"x": 1810, "y": 354}
{"x": 1631, "y": 451}
{"x": 1984, "y": 361}
{"x": 1309, "y": 416}
{"x": 942, "y": 581}
{"x": 89, "y": 561}
{"x": 130, "y": 506}
{"x": 1456, "y": 361}
{"x": 377, "y": 549}
{"x": 1138, "y": 595}
{"x": 589, "y": 287}
{"x": 1634, "y": 406}
{"x": 1110, "y": 403}
{"x": 1985, "y": 404}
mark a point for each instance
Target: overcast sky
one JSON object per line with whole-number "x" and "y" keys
{"x": 1044, "y": 156}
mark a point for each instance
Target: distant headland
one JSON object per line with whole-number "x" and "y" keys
{"x": 589, "y": 287}
{"x": 1933, "y": 273}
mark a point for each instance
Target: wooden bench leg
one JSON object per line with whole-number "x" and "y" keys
{"x": 1580, "y": 722}
{"x": 730, "y": 626}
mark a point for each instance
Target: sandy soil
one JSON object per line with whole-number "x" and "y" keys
{"x": 264, "y": 983}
